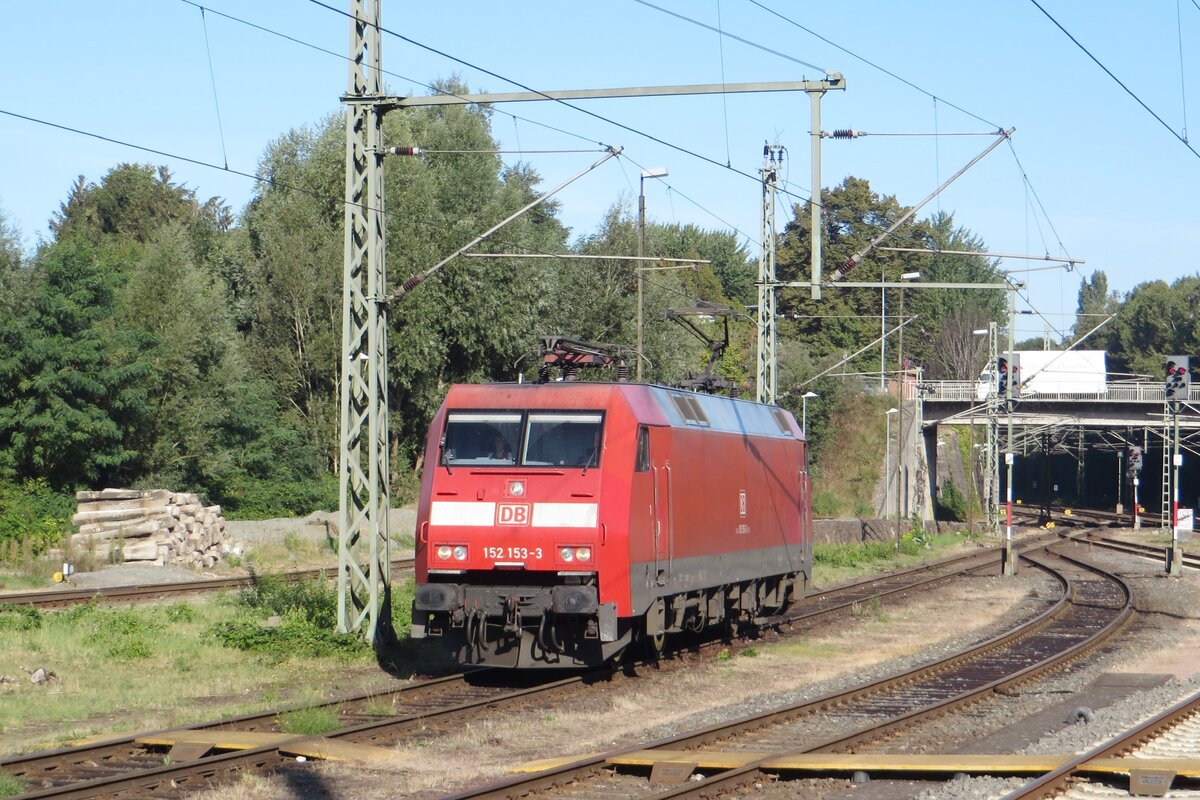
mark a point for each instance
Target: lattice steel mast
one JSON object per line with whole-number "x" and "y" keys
{"x": 766, "y": 383}
{"x": 364, "y": 605}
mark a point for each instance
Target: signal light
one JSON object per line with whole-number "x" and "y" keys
{"x": 1135, "y": 460}
{"x": 1001, "y": 376}
{"x": 1178, "y": 378}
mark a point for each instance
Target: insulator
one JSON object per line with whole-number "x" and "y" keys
{"x": 544, "y": 373}
{"x": 403, "y": 151}
{"x": 845, "y": 133}
{"x": 571, "y": 373}
{"x": 622, "y": 372}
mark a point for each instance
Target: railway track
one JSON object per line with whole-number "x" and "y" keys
{"x": 1094, "y": 606}
{"x": 122, "y": 766}
{"x": 62, "y": 598}
{"x": 1171, "y": 734}
{"x": 1156, "y": 552}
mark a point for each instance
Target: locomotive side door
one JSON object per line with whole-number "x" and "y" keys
{"x": 660, "y": 469}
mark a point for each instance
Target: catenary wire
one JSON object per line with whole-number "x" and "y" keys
{"x": 344, "y": 57}
{"x": 872, "y": 64}
{"x": 735, "y": 37}
{"x": 1118, "y": 81}
{"x": 212, "y": 75}
{"x": 572, "y": 106}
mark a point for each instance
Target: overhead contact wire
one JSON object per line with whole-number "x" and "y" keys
{"x": 1118, "y": 81}
{"x": 212, "y": 75}
{"x": 566, "y": 104}
{"x": 344, "y": 57}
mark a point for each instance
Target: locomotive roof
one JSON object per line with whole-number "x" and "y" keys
{"x": 654, "y": 405}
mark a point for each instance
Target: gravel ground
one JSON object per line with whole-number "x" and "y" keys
{"x": 1164, "y": 637}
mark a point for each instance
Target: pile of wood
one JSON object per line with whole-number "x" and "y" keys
{"x": 153, "y": 526}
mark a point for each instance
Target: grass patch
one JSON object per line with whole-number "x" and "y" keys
{"x": 838, "y": 563}
{"x": 303, "y": 616}
{"x": 149, "y": 667}
{"x": 309, "y": 721}
{"x": 10, "y": 785}
{"x": 807, "y": 649}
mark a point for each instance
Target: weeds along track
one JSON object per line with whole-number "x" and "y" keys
{"x": 121, "y": 766}
{"x": 1093, "y": 606}
{"x": 62, "y": 598}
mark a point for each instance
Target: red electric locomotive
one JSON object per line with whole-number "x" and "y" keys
{"x": 559, "y": 522}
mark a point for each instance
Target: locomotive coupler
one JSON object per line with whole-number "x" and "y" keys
{"x": 512, "y": 615}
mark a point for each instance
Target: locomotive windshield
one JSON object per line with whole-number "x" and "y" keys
{"x": 536, "y": 439}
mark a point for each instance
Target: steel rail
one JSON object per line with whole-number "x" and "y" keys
{"x": 1139, "y": 549}
{"x": 1053, "y": 783}
{"x": 62, "y": 598}
{"x": 735, "y": 778}
{"x": 29, "y": 766}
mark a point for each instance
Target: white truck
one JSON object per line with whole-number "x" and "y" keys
{"x": 1052, "y": 372}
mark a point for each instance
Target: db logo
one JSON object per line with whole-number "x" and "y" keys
{"x": 512, "y": 514}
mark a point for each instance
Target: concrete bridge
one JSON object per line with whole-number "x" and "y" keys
{"x": 1068, "y": 448}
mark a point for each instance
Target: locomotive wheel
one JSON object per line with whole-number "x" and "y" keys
{"x": 651, "y": 644}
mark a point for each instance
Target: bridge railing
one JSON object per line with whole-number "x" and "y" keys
{"x": 975, "y": 392}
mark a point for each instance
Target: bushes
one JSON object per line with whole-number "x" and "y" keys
{"x": 253, "y": 498}
{"x": 952, "y": 504}
{"x": 307, "y": 612}
{"x": 33, "y": 518}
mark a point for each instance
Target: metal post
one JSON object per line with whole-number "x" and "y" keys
{"x": 1175, "y": 558}
{"x": 804, "y": 410}
{"x": 882, "y": 333}
{"x": 641, "y": 245}
{"x": 364, "y": 604}
{"x": 817, "y": 89}
{"x": 766, "y": 377}
{"x": 1010, "y": 555}
{"x": 887, "y": 466}
{"x": 653, "y": 172}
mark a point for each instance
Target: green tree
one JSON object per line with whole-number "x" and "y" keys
{"x": 15, "y": 276}
{"x": 70, "y": 378}
{"x": 472, "y": 320}
{"x": 132, "y": 202}
{"x": 1156, "y": 319}
{"x": 845, "y": 319}
{"x": 1096, "y": 303}
{"x": 940, "y": 338}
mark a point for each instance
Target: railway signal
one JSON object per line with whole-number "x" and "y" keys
{"x": 1001, "y": 376}
{"x": 1135, "y": 461}
{"x": 1178, "y": 378}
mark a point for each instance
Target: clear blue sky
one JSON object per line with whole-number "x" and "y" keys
{"x": 1116, "y": 187}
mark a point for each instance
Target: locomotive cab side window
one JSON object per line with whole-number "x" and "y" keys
{"x": 643, "y": 450}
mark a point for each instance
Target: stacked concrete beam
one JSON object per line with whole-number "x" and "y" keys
{"x": 152, "y": 526}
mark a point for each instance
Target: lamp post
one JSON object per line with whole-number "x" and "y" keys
{"x": 653, "y": 172}
{"x": 804, "y": 412}
{"x": 902, "y": 448}
{"x": 887, "y": 465}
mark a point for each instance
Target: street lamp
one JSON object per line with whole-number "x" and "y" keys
{"x": 804, "y": 397}
{"x": 653, "y": 172}
{"x": 887, "y": 465}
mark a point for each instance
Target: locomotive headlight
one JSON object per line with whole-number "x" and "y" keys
{"x": 583, "y": 554}
{"x": 460, "y": 553}
{"x": 566, "y": 553}
{"x": 443, "y": 552}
